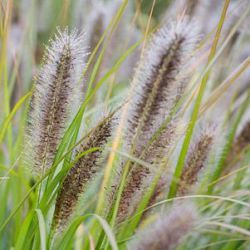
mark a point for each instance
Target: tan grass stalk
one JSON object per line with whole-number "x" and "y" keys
{"x": 180, "y": 6}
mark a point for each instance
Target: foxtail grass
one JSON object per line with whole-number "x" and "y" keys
{"x": 167, "y": 230}
{"x": 83, "y": 194}
{"x": 54, "y": 98}
{"x": 158, "y": 86}
{"x": 84, "y": 170}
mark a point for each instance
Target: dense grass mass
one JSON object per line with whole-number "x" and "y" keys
{"x": 124, "y": 124}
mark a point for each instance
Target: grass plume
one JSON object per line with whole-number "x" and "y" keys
{"x": 83, "y": 171}
{"x": 95, "y": 188}
{"x": 167, "y": 230}
{"x": 55, "y": 95}
{"x": 242, "y": 140}
{"x": 158, "y": 85}
{"x": 195, "y": 162}
{"x": 238, "y": 147}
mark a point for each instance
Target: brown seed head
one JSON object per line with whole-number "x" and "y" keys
{"x": 81, "y": 173}
{"x": 54, "y": 98}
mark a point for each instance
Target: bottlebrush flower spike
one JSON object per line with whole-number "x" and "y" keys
{"x": 167, "y": 231}
{"x": 158, "y": 84}
{"x": 240, "y": 144}
{"x": 196, "y": 161}
{"x": 243, "y": 139}
{"x": 157, "y": 81}
{"x": 55, "y": 95}
{"x": 82, "y": 172}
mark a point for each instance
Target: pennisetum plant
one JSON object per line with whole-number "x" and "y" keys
{"x": 242, "y": 140}
{"x": 158, "y": 85}
{"x": 240, "y": 144}
{"x": 167, "y": 230}
{"x": 55, "y": 98}
{"x": 196, "y": 161}
{"x": 90, "y": 196}
{"x": 83, "y": 171}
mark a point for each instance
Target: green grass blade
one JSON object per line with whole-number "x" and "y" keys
{"x": 42, "y": 229}
{"x": 8, "y": 119}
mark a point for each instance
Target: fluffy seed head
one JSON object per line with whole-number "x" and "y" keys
{"x": 196, "y": 161}
{"x": 167, "y": 231}
{"x": 241, "y": 142}
{"x": 55, "y": 96}
{"x": 157, "y": 81}
{"x": 243, "y": 138}
{"x": 81, "y": 173}
{"x": 157, "y": 86}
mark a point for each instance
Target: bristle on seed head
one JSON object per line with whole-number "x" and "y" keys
{"x": 83, "y": 171}
{"x": 158, "y": 85}
{"x": 55, "y": 98}
{"x": 168, "y": 230}
{"x": 159, "y": 77}
{"x": 197, "y": 159}
{"x": 241, "y": 143}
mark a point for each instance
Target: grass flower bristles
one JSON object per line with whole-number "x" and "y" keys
{"x": 56, "y": 94}
{"x": 242, "y": 140}
{"x": 189, "y": 7}
{"x": 159, "y": 86}
{"x": 157, "y": 76}
{"x": 83, "y": 171}
{"x": 195, "y": 162}
{"x": 167, "y": 230}
{"x": 239, "y": 145}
